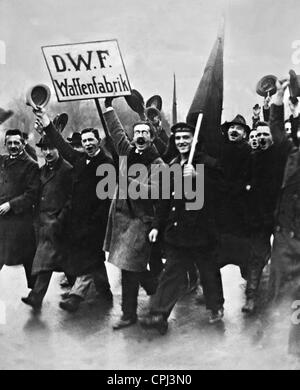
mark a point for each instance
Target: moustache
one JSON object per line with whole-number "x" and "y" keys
{"x": 233, "y": 133}
{"x": 140, "y": 141}
{"x": 262, "y": 141}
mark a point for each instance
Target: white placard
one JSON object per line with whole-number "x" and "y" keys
{"x": 87, "y": 70}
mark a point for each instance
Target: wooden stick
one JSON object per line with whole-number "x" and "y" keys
{"x": 101, "y": 118}
{"x": 195, "y": 139}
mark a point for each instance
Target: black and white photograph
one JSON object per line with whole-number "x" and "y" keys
{"x": 149, "y": 187}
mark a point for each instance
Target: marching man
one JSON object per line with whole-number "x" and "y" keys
{"x": 189, "y": 237}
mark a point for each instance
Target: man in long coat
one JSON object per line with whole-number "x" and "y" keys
{"x": 19, "y": 186}
{"x": 130, "y": 219}
{"x": 86, "y": 215}
{"x": 190, "y": 237}
{"x": 55, "y": 191}
{"x": 285, "y": 256}
{"x": 232, "y": 196}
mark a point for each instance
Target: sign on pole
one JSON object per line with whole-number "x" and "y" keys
{"x": 87, "y": 70}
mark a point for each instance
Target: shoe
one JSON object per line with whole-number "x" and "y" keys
{"x": 216, "y": 316}
{"x": 33, "y": 302}
{"x": 71, "y": 304}
{"x": 249, "y": 306}
{"x": 156, "y": 321}
{"x": 124, "y": 322}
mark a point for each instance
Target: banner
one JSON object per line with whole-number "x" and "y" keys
{"x": 87, "y": 70}
{"x": 208, "y": 99}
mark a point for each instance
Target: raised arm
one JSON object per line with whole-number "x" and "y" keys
{"x": 277, "y": 113}
{"x": 120, "y": 139}
{"x": 65, "y": 150}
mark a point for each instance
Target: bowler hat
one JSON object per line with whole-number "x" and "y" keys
{"x": 154, "y": 101}
{"x": 294, "y": 86}
{"x": 182, "y": 126}
{"x": 38, "y": 95}
{"x": 238, "y": 120}
{"x": 151, "y": 112}
{"x": 60, "y": 121}
{"x": 256, "y": 107}
{"x": 266, "y": 85}
{"x": 136, "y": 102}
{"x": 44, "y": 142}
{"x": 75, "y": 139}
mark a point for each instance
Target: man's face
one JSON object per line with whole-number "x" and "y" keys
{"x": 141, "y": 136}
{"x": 288, "y": 128}
{"x": 264, "y": 136}
{"x": 14, "y": 145}
{"x": 236, "y": 133}
{"x": 253, "y": 142}
{"x": 50, "y": 154}
{"x": 183, "y": 141}
{"x": 90, "y": 143}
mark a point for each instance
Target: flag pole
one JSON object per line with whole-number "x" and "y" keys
{"x": 195, "y": 139}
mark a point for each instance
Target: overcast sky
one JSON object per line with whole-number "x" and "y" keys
{"x": 156, "y": 38}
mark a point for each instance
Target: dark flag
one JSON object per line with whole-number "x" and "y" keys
{"x": 174, "y": 108}
{"x": 4, "y": 115}
{"x": 208, "y": 99}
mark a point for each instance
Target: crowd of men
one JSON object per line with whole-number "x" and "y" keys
{"x": 52, "y": 219}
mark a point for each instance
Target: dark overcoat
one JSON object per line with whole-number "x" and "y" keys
{"x": 55, "y": 191}
{"x": 189, "y": 228}
{"x": 232, "y": 197}
{"x": 285, "y": 264}
{"x": 19, "y": 185}
{"x": 130, "y": 220}
{"x": 86, "y": 214}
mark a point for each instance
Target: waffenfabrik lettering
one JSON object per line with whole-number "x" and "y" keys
{"x": 98, "y": 85}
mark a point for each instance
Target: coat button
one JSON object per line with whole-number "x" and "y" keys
{"x": 173, "y": 208}
{"x": 277, "y": 228}
{"x": 295, "y": 196}
{"x": 175, "y": 223}
{"x": 292, "y": 234}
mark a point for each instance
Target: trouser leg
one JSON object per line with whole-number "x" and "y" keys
{"x": 148, "y": 282}
{"x": 260, "y": 254}
{"x": 155, "y": 263}
{"x": 29, "y": 277}
{"x": 82, "y": 285}
{"x": 173, "y": 282}
{"x": 41, "y": 285}
{"x": 210, "y": 278}
{"x": 130, "y": 289}
{"x": 100, "y": 276}
{"x": 192, "y": 274}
